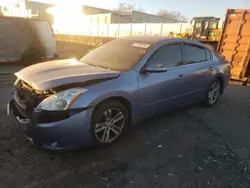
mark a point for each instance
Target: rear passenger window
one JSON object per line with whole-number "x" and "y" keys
{"x": 195, "y": 54}
{"x": 208, "y": 55}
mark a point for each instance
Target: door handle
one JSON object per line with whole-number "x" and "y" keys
{"x": 211, "y": 68}
{"x": 180, "y": 77}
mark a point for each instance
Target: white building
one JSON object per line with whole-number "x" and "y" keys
{"x": 104, "y": 16}
{"x": 14, "y": 8}
{"x": 108, "y": 18}
{"x": 142, "y": 17}
{"x": 26, "y": 8}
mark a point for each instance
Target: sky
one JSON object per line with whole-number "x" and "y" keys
{"x": 189, "y": 8}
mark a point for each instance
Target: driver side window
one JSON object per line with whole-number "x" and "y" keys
{"x": 168, "y": 56}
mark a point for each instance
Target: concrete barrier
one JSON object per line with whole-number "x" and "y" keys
{"x": 86, "y": 40}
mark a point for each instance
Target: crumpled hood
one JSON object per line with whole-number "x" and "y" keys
{"x": 51, "y": 74}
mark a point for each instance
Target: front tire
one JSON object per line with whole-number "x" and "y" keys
{"x": 213, "y": 93}
{"x": 109, "y": 122}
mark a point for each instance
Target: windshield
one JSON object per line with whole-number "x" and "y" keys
{"x": 119, "y": 54}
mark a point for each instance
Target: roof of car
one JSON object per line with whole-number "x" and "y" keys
{"x": 160, "y": 39}
{"x": 151, "y": 39}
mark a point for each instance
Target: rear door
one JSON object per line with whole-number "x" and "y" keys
{"x": 8, "y": 45}
{"x": 200, "y": 70}
{"x": 46, "y": 37}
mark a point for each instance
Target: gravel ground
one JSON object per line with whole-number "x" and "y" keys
{"x": 186, "y": 148}
{"x": 175, "y": 149}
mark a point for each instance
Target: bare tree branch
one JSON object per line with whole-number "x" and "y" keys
{"x": 127, "y": 6}
{"x": 175, "y": 15}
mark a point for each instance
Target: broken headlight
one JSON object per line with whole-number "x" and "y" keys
{"x": 61, "y": 100}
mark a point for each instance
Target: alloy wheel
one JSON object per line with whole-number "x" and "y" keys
{"x": 214, "y": 93}
{"x": 109, "y": 125}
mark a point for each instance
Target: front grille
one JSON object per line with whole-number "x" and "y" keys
{"x": 24, "y": 90}
{"x": 26, "y": 96}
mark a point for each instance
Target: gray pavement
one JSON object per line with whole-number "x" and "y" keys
{"x": 230, "y": 118}
{"x": 7, "y": 78}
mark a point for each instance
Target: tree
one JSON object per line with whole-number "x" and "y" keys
{"x": 127, "y": 6}
{"x": 174, "y": 15}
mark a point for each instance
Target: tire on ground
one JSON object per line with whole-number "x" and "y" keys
{"x": 207, "y": 102}
{"x": 98, "y": 112}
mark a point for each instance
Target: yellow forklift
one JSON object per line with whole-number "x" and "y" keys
{"x": 204, "y": 29}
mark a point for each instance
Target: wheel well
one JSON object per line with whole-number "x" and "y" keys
{"x": 122, "y": 100}
{"x": 32, "y": 51}
{"x": 222, "y": 83}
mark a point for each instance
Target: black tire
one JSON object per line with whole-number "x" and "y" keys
{"x": 30, "y": 59}
{"x": 99, "y": 116}
{"x": 208, "y": 100}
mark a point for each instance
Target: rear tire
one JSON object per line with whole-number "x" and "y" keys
{"x": 109, "y": 122}
{"x": 213, "y": 93}
{"x": 30, "y": 59}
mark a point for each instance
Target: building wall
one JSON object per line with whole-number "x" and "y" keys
{"x": 16, "y": 9}
{"x": 98, "y": 19}
{"x": 39, "y": 10}
{"x": 6, "y": 6}
{"x": 136, "y": 17}
{"x": 110, "y": 18}
{"x": 140, "y": 17}
{"x": 116, "y": 18}
{"x": 126, "y": 16}
{"x": 87, "y": 10}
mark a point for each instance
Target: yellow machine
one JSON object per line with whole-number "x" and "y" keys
{"x": 185, "y": 35}
{"x": 204, "y": 29}
{"x": 215, "y": 34}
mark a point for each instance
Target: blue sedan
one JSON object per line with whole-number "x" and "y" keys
{"x": 66, "y": 104}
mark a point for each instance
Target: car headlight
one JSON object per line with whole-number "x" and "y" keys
{"x": 61, "y": 100}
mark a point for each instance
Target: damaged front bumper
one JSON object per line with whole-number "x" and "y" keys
{"x": 59, "y": 130}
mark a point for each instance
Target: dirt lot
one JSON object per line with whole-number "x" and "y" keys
{"x": 192, "y": 147}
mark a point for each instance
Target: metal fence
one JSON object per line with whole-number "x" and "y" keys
{"x": 120, "y": 30}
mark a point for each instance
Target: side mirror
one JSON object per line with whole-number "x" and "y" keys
{"x": 153, "y": 70}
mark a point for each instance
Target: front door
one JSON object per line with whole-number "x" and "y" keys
{"x": 160, "y": 90}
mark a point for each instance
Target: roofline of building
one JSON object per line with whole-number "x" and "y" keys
{"x": 98, "y": 8}
{"x": 156, "y": 15}
{"x": 39, "y": 2}
{"x": 146, "y": 13}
